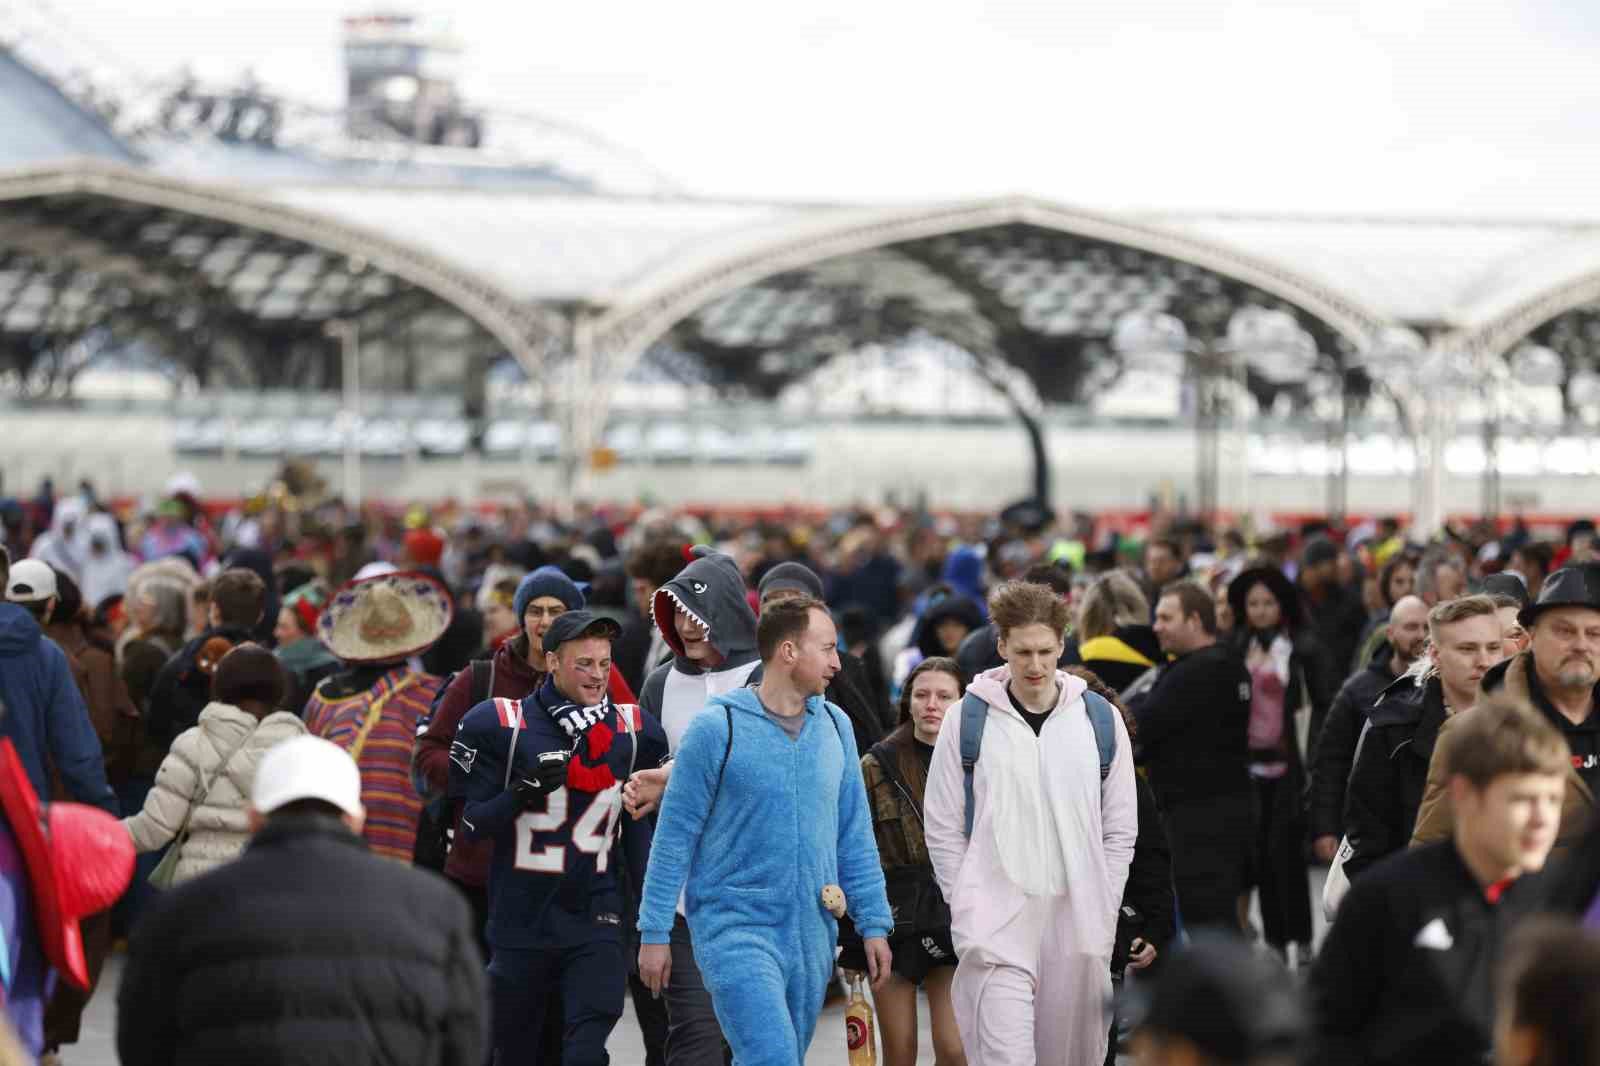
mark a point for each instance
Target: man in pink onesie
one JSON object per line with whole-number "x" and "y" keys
{"x": 1034, "y": 892}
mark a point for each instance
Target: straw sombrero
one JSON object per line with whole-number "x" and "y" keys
{"x": 386, "y": 617}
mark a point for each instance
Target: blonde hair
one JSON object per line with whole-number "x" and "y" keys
{"x": 1114, "y": 599}
{"x": 1459, "y": 610}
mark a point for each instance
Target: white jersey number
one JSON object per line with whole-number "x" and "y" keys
{"x": 592, "y": 834}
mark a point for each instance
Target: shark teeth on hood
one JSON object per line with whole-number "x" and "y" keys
{"x": 701, "y": 622}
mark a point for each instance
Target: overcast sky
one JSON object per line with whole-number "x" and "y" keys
{"x": 1389, "y": 106}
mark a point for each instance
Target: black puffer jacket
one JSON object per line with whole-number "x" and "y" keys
{"x": 1336, "y": 748}
{"x": 306, "y": 949}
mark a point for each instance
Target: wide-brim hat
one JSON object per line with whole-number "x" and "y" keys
{"x": 1277, "y": 583}
{"x": 385, "y": 617}
{"x": 79, "y": 861}
{"x": 1571, "y": 586}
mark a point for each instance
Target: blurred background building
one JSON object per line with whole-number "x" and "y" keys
{"x": 443, "y": 300}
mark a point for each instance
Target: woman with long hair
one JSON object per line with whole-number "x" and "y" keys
{"x": 1115, "y": 639}
{"x": 896, "y": 773}
{"x": 1286, "y": 679}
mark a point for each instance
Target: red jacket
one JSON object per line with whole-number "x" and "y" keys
{"x": 513, "y": 679}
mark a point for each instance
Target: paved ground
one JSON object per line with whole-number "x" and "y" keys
{"x": 98, "y": 1044}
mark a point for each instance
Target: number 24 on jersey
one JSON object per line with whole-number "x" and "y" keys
{"x": 592, "y": 833}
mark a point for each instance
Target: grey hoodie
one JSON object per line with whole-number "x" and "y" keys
{"x": 712, "y": 591}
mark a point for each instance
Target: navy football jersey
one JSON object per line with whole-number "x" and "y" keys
{"x": 553, "y": 878}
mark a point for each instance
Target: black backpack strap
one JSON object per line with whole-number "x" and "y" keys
{"x": 723, "y": 769}
{"x": 482, "y": 680}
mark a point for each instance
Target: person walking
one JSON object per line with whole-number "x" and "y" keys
{"x": 1147, "y": 919}
{"x": 1115, "y": 638}
{"x": 1288, "y": 690}
{"x": 642, "y": 647}
{"x": 1391, "y": 765}
{"x": 1406, "y": 972}
{"x": 183, "y": 687}
{"x": 895, "y": 771}
{"x": 851, "y": 689}
{"x": 202, "y": 791}
{"x": 111, "y": 709}
{"x": 542, "y": 779}
{"x": 1558, "y": 675}
{"x": 704, "y": 614}
{"x": 764, "y": 825}
{"x": 1405, "y": 637}
{"x": 45, "y": 716}
{"x": 306, "y": 658}
{"x": 1032, "y": 851}
{"x": 1192, "y": 740}
{"x": 352, "y": 960}
{"x": 376, "y": 626}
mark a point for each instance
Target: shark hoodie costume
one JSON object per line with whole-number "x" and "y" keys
{"x": 752, "y": 826}
{"x": 712, "y": 591}
{"x": 1034, "y": 893}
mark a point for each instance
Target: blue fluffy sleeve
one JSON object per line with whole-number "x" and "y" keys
{"x": 681, "y": 822}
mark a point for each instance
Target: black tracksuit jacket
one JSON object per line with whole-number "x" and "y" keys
{"x": 1406, "y": 974}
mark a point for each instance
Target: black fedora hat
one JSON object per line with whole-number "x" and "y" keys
{"x": 1507, "y": 583}
{"x": 1571, "y": 586}
{"x": 1277, "y": 583}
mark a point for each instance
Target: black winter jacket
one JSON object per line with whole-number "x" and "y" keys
{"x": 182, "y": 689}
{"x": 1391, "y": 772}
{"x": 1192, "y": 727}
{"x": 1406, "y": 974}
{"x": 852, "y": 691}
{"x": 1147, "y": 900}
{"x": 306, "y": 949}
{"x": 1336, "y": 748}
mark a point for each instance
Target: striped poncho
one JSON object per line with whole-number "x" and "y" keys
{"x": 393, "y": 806}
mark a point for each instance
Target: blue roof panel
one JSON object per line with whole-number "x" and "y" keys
{"x": 41, "y": 125}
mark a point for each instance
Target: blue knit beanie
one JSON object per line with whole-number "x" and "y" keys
{"x": 546, "y": 581}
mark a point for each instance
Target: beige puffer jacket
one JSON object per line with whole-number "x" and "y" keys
{"x": 220, "y": 827}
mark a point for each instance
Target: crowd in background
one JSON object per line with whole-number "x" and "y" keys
{"x": 202, "y": 634}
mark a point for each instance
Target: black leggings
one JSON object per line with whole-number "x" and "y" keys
{"x": 1280, "y": 864}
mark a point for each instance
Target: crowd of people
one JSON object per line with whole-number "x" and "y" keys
{"x": 452, "y": 785}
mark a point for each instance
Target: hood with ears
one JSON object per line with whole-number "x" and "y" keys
{"x": 712, "y": 591}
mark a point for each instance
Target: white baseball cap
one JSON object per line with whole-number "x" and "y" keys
{"x": 31, "y": 580}
{"x": 307, "y": 768}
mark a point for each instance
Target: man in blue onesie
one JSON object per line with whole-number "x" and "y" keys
{"x": 765, "y": 808}
{"x": 543, "y": 779}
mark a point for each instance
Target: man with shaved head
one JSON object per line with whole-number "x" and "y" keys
{"x": 1406, "y": 636}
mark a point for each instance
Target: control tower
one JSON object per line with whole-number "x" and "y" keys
{"x": 401, "y": 73}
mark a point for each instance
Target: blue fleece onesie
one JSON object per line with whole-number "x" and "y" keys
{"x": 751, "y": 844}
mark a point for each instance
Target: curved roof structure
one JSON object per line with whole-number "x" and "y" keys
{"x": 444, "y": 257}
{"x": 89, "y": 246}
